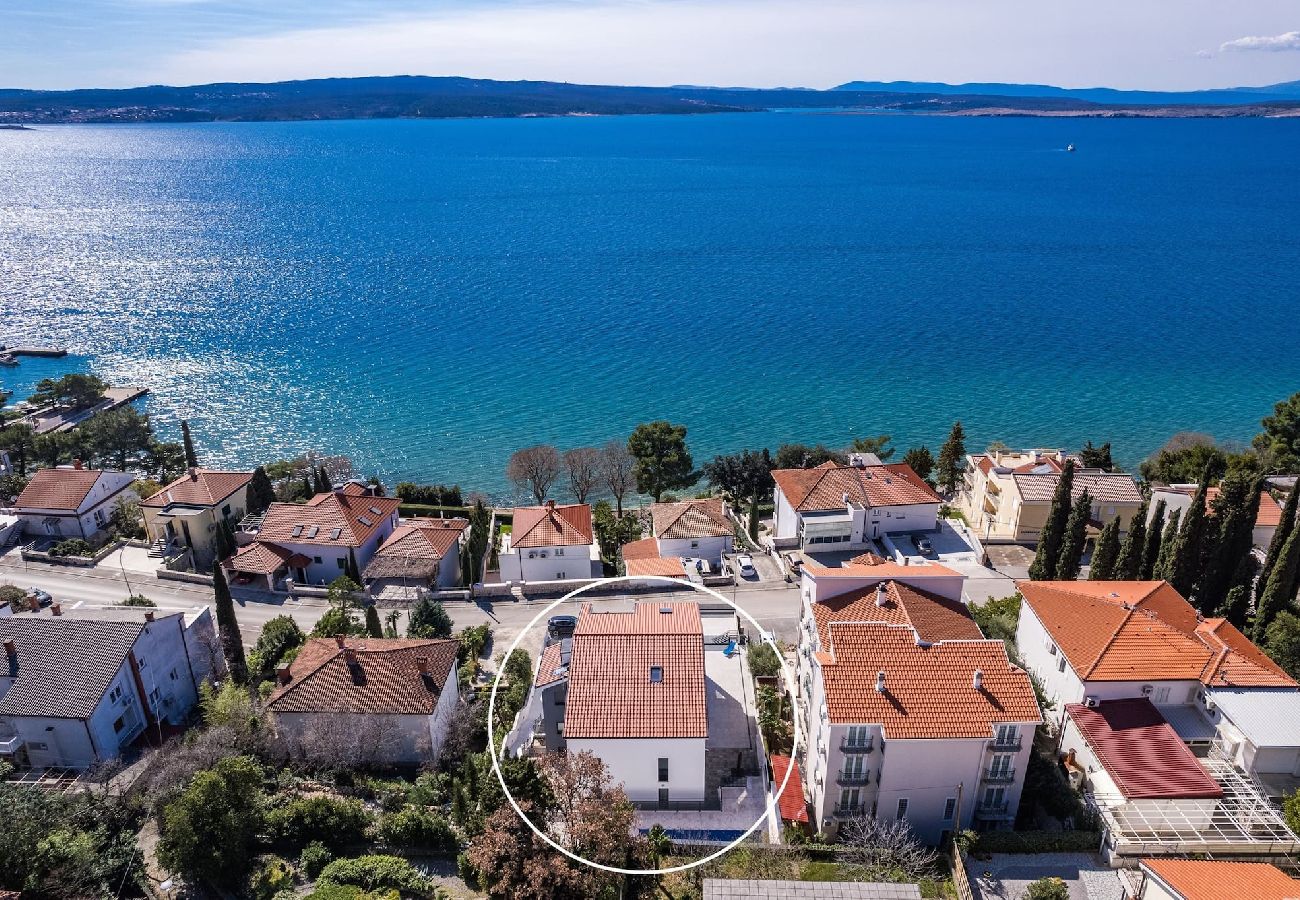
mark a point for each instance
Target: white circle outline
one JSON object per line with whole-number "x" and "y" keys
{"x": 769, "y": 810}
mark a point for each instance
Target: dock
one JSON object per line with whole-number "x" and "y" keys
{"x": 46, "y": 422}
{"x": 52, "y": 352}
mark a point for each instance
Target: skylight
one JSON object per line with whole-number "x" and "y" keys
{"x": 313, "y": 531}
{"x": 334, "y": 533}
{"x": 656, "y": 674}
{"x": 364, "y": 521}
{"x": 297, "y": 531}
{"x": 375, "y": 510}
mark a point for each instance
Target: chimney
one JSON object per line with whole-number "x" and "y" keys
{"x": 194, "y": 474}
{"x": 880, "y": 682}
{"x": 282, "y": 675}
{"x": 11, "y": 649}
{"x": 549, "y": 504}
{"x": 148, "y": 615}
{"x": 978, "y": 681}
{"x": 882, "y": 594}
{"x": 351, "y": 656}
{"x": 422, "y": 663}
{"x": 56, "y": 609}
{"x": 338, "y": 638}
{"x": 76, "y": 464}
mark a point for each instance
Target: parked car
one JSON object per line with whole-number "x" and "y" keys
{"x": 745, "y": 565}
{"x": 41, "y": 597}
{"x": 923, "y": 544}
{"x": 560, "y": 627}
{"x": 795, "y": 561}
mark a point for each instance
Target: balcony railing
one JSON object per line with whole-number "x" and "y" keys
{"x": 851, "y": 778}
{"x": 999, "y": 776}
{"x": 10, "y": 745}
{"x": 848, "y": 812}
{"x": 992, "y": 810}
{"x": 1006, "y": 745}
{"x": 849, "y": 745}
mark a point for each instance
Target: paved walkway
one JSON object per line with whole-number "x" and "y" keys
{"x": 1009, "y": 874}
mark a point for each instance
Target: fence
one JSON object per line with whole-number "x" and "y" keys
{"x": 959, "y": 877}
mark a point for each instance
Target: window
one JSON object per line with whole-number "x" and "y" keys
{"x": 119, "y": 724}
{"x": 656, "y": 674}
{"x": 99, "y": 517}
{"x": 154, "y": 696}
{"x": 142, "y": 662}
{"x": 994, "y": 797}
{"x": 225, "y": 511}
{"x": 850, "y": 799}
{"x": 559, "y": 551}
{"x": 1008, "y": 734}
{"x": 1161, "y": 696}
{"x": 902, "y": 808}
{"x": 663, "y": 768}
{"x": 949, "y": 808}
{"x": 173, "y": 674}
{"x": 695, "y": 545}
{"x": 115, "y": 694}
{"x": 1060, "y": 664}
{"x": 1001, "y": 765}
{"x": 853, "y": 765}
{"x": 317, "y": 560}
{"x": 559, "y": 728}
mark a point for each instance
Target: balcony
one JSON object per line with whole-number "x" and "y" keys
{"x": 852, "y": 778}
{"x": 993, "y": 811}
{"x": 10, "y": 745}
{"x": 848, "y": 745}
{"x": 849, "y": 812}
{"x": 1006, "y": 745}
{"x": 1003, "y": 776}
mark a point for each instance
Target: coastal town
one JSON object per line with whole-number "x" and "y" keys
{"x": 856, "y": 671}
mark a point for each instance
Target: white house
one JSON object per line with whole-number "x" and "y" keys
{"x": 77, "y": 689}
{"x": 71, "y": 501}
{"x": 696, "y": 529}
{"x": 550, "y": 543}
{"x": 910, "y": 712}
{"x": 385, "y": 700}
{"x": 1179, "y": 497}
{"x": 834, "y": 507}
{"x": 419, "y": 552}
{"x": 1093, "y": 641}
{"x": 316, "y": 542}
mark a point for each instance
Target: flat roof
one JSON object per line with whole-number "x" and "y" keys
{"x": 1270, "y": 718}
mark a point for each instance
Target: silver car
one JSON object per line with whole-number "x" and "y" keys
{"x": 745, "y": 565}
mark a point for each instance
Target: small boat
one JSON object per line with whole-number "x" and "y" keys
{"x": 1069, "y": 148}
{"x": 8, "y": 359}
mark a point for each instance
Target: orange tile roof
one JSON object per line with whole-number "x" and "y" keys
{"x": 690, "y": 519}
{"x": 551, "y": 526}
{"x": 423, "y": 538}
{"x": 929, "y": 690}
{"x": 61, "y": 489}
{"x": 610, "y": 691}
{"x": 1145, "y": 630}
{"x": 645, "y": 548}
{"x": 264, "y": 558}
{"x": 548, "y": 666}
{"x": 206, "y": 487}
{"x": 667, "y": 566}
{"x": 1269, "y": 515}
{"x": 355, "y": 517}
{"x": 386, "y": 679}
{"x": 934, "y": 618}
{"x": 1141, "y": 752}
{"x": 1209, "y": 879}
{"x": 824, "y": 487}
{"x": 793, "y": 806}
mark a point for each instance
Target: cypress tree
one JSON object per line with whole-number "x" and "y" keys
{"x": 1166, "y": 557}
{"x": 1281, "y": 534}
{"x": 1105, "y": 556}
{"x": 1047, "y": 556}
{"x": 373, "y": 627}
{"x": 232, "y": 644}
{"x": 351, "y": 569}
{"x": 321, "y": 483}
{"x": 1151, "y": 553}
{"x": 1076, "y": 536}
{"x": 191, "y": 458}
{"x": 1280, "y": 590}
{"x": 260, "y": 492}
{"x": 1235, "y": 512}
{"x": 1236, "y": 606}
{"x": 1185, "y": 566}
{"x": 952, "y": 458}
{"x": 1129, "y": 563}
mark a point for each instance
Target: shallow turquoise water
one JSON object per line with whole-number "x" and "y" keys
{"x": 429, "y": 295}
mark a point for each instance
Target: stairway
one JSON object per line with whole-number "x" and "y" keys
{"x": 158, "y": 548}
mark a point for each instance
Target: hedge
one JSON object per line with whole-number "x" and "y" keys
{"x": 1037, "y": 842}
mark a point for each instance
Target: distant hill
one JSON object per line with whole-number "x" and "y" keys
{"x": 418, "y": 96}
{"x": 1220, "y": 97}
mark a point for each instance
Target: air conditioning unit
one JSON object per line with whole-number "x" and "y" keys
{"x": 532, "y": 554}
{"x": 1147, "y": 690}
{"x": 542, "y": 554}
{"x": 1090, "y": 702}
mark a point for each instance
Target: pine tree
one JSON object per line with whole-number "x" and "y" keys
{"x": 1235, "y": 512}
{"x": 1076, "y": 536}
{"x": 1185, "y": 566}
{"x": 1047, "y": 556}
{"x": 1105, "y": 556}
{"x": 1151, "y": 553}
{"x": 1167, "y": 544}
{"x": 952, "y": 458}
{"x": 191, "y": 458}
{"x": 1129, "y": 563}
{"x": 373, "y": 627}
{"x": 260, "y": 492}
{"x": 232, "y": 644}
{"x": 1280, "y": 536}
{"x": 1280, "y": 590}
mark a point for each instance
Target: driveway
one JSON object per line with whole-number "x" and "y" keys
{"x": 1009, "y": 874}
{"x": 1011, "y": 559}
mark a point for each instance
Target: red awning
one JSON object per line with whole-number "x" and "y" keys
{"x": 791, "y": 802}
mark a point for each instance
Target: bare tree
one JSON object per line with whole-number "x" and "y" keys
{"x": 535, "y": 468}
{"x": 340, "y": 742}
{"x": 886, "y": 845}
{"x": 617, "y": 471}
{"x": 583, "y": 464}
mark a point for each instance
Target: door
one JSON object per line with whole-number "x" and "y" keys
{"x": 1001, "y": 767}
{"x": 663, "y": 798}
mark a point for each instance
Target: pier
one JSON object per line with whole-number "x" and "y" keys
{"x": 48, "y": 421}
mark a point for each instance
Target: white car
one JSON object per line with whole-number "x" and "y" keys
{"x": 745, "y": 565}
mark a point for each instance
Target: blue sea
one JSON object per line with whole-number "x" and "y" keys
{"x": 427, "y": 296}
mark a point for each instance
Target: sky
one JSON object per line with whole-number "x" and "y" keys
{"x": 1150, "y": 44}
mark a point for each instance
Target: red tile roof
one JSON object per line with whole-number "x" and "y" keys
{"x": 1145, "y": 631}
{"x": 548, "y": 666}
{"x": 1141, "y": 752}
{"x": 551, "y": 526}
{"x": 934, "y": 618}
{"x": 1210, "y": 879}
{"x": 62, "y": 489}
{"x": 791, "y": 803}
{"x": 205, "y": 487}
{"x": 929, "y": 690}
{"x": 645, "y": 548}
{"x": 385, "y": 679}
{"x": 420, "y": 542}
{"x": 354, "y": 516}
{"x": 667, "y": 566}
{"x": 611, "y": 694}
{"x": 823, "y": 488}
{"x": 690, "y": 519}
{"x": 1269, "y": 515}
{"x": 264, "y": 558}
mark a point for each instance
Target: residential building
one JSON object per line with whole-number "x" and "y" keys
{"x": 72, "y": 502}
{"x": 420, "y": 553}
{"x": 384, "y": 700}
{"x": 1213, "y": 879}
{"x": 190, "y": 511}
{"x": 77, "y": 689}
{"x": 909, "y": 711}
{"x": 1179, "y": 497}
{"x": 1014, "y": 505}
{"x": 693, "y": 529}
{"x": 1155, "y": 797}
{"x": 834, "y": 507}
{"x": 1092, "y": 641}
{"x": 985, "y": 493}
{"x": 550, "y": 543}
{"x": 315, "y": 542}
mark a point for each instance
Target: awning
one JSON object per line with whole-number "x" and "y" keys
{"x": 791, "y": 802}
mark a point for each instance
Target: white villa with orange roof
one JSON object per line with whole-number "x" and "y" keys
{"x": 189, "y": 511}
{"x": 834, "y": 507}
{"x": 419, "y": 553}
{"x": 71, "y": 502}
{"x": 550, "y": 543}
{"x": 910, "y": 712}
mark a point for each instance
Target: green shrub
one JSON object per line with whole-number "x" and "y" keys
{"x": 376, "y": 872}
{"x": 430, "y": 790}
{"x": 417, "y": 828}
{"x": 1037, "y": 842}
{"x": 465, "y": 869}
{"x": 271, "y": 876}
{"x": 10, "y": 593}
{"x": 138, "y": 600}
{"x": 333, "y": 821}
{"x": 314, "y": 857}
{"x": 763, "y": 661}
{"x": 71, "y": 547}
{"x": 1049, "y": 888}
{"x": 332, "y": 891}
